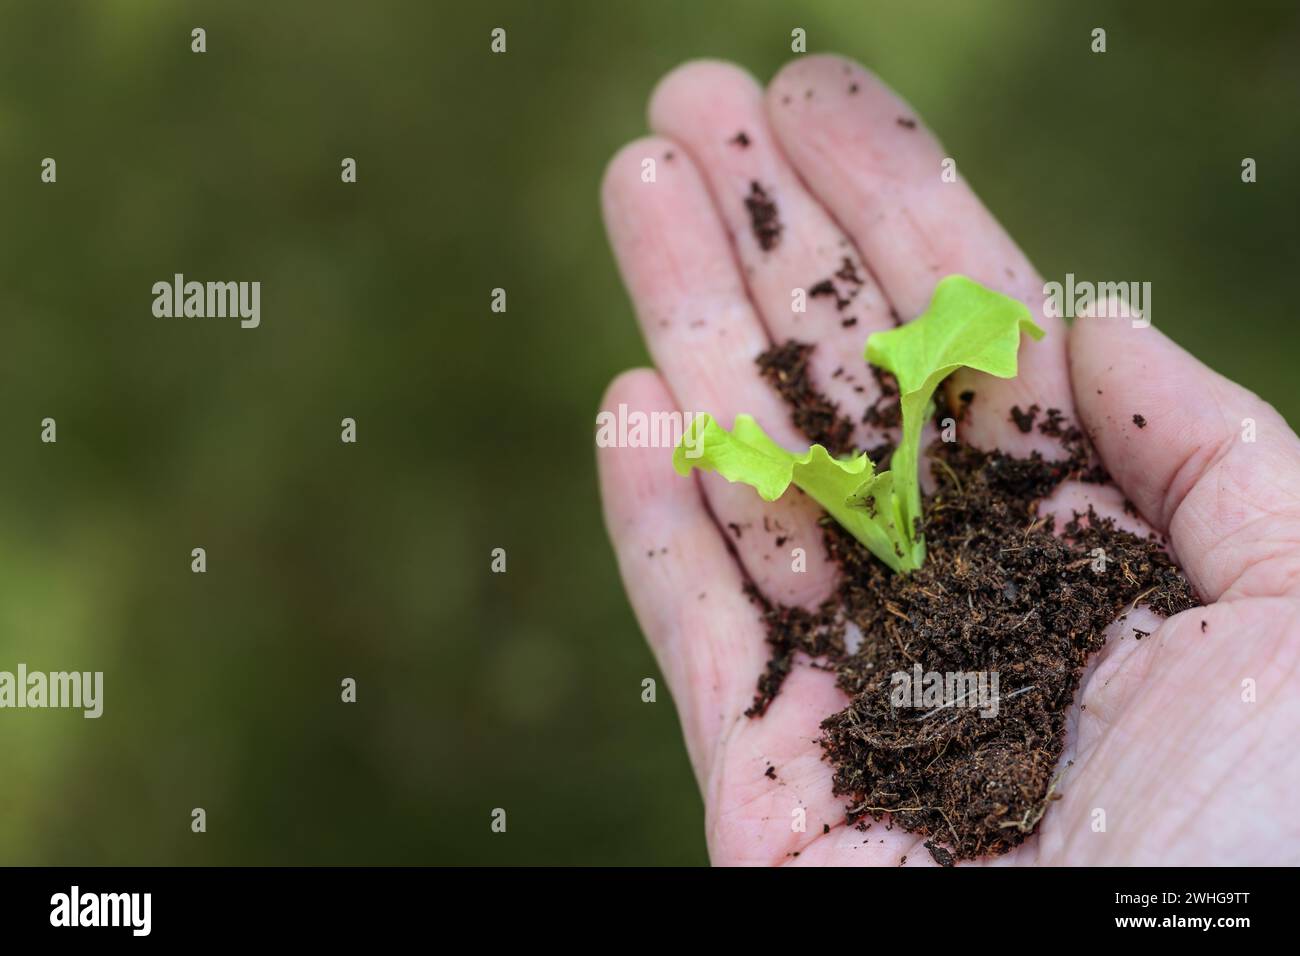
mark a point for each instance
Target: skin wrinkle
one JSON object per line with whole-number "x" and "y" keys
{"x": 1198, "y": 464}
{"x": 793, "y": 771}
{"x": 724, "y": 819}
{"x": 1236, "y": 509}
{"x": 1268, "y": 555}
{"x": 920, "y": 232}
{"x": 1207, "y": 788}
{"x": 1218, "y": 451}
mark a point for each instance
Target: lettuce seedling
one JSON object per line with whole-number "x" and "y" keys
{"x": 842, "y": 487}
{"x": 967, "y": 326}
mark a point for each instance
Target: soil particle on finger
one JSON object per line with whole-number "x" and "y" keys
{"x": 741, "y": 139}
{"x": 885, "y": 412}
{"x": 1083, "y": 462}
{"x": 848, "y": 272}
{"x": 1053, "y": 424}
{"x": 763, "y": 217}
{"x": 1139, "y": 421}
{"x": 785, "y": 367}
{"x": 906, "y": 122}
{"x": 849, "y": 278}
{"x": 1024, "y": 420}
{"x": 823, "y": 288}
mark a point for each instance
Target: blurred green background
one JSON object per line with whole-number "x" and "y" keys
{"x": 475, "y": 429}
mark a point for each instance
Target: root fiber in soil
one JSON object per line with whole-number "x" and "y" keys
{"x": 1003, "y": 593}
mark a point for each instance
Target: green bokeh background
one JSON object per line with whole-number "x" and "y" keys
{"x": 476, "y": 171}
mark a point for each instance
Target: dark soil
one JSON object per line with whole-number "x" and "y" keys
{"x": 850, "y": 283}
{"x": 1003, "y": 592}
{"x": 786, "y": 368}
{"x": 1024, "y": 420}
{"x": 824, "y": 287}
{"x": 763, "y": 217}
{"x": 884, "y": 412}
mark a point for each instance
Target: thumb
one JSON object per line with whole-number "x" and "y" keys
{"x": 1205, "y": 461}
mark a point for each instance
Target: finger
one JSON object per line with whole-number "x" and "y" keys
{"x": 684, "y": 586}
{"x": 864, "y": 153}
{"x": 803, "y": 260}
{"x": 704, "y": 336}
{"x": 771, "y": 800}
{"x": 1207, "y": 462}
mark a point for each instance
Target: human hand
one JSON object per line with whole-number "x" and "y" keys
{"x": 1184, "y": 768}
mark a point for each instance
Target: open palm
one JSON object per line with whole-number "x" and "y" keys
{"x": 1179, "y": 749}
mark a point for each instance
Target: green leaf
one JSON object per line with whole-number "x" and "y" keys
{"x": 967, "y": 326}
{"x": 849, "y": 490}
